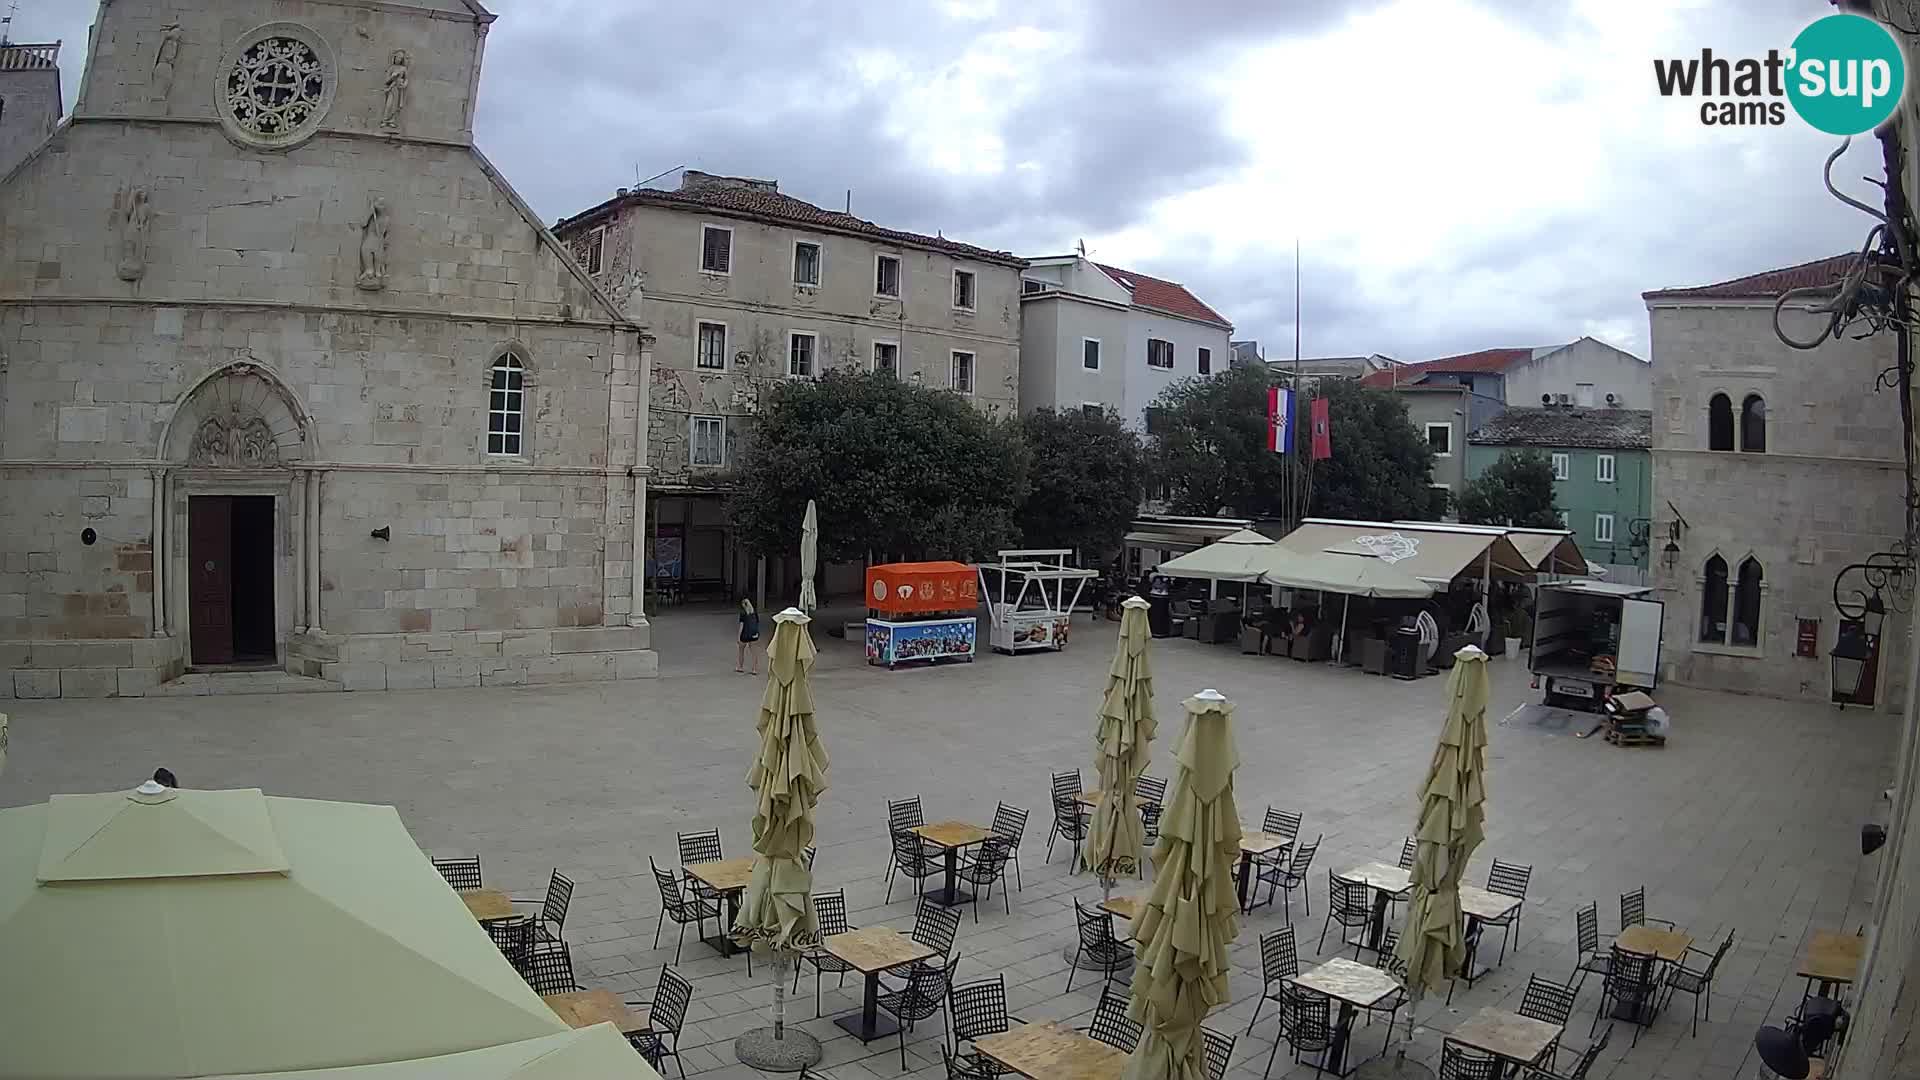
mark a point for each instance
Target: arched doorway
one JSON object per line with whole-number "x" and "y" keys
{"x": 235, "y": 440}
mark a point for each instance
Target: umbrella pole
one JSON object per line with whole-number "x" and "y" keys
{"x": 1346, "y": 607}
{"x": 782, "y": 967}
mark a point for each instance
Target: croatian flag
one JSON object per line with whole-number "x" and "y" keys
{"x": 1280, "y": 420}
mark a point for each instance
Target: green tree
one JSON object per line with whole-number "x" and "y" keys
{"x": 896, "y": 469}
{"x": 1381, "y": 469}
{"x": 1515, "y": 490}
{"x": 1087, "y": 481}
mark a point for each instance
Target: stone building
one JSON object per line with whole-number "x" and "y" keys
{"x": 745, "y": 286}
{"x": 293, "y": 378}
{"x": 1773, "y": 469}
{"x": 1602, "y": 475}
{"x": 29, "y": 99}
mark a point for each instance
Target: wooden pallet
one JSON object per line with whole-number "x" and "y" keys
{"x": 1633, "y": 738}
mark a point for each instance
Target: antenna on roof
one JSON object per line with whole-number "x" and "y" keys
{"x": 6, "y": 24}
{"x": 849, "y": 202}
{"x": 1083, "y": 247}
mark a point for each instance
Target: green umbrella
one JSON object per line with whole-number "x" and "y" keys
{"x": 788, "y": 776}
{"x": 1192, "y": 914}
{"x": 1126, "y": 729}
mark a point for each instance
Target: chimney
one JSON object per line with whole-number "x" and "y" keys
{"x": 694, "y": 178}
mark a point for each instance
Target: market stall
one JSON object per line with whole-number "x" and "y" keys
{"x": 920, "y": 611}
{"x": 1029, "y": 601}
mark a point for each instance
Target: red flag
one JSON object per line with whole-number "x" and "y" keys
{"x": 1322, "y": 433}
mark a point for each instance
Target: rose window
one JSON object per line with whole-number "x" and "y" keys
{"x": 275, "y": 87}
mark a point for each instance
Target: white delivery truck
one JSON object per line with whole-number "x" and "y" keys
{"x": 1592, "y": 639}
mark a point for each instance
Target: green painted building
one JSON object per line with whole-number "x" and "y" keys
{"x": 1603, "y": 475}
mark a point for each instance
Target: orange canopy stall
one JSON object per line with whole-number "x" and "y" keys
{"x": 921, "y": 611}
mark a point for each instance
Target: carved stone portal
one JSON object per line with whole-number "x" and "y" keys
{"x": 234, "y": 443}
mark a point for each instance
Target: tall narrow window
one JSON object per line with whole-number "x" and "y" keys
{"x": 596, "y": 248}
{"x": 711, "y": 353}
{"x": 1713, "y": 602}
{"x": 1746, "y": 603}
{"x": 963, "y": 283}
{"x": 800, "y": 349}
{"x": 708, "y": 445}
{"x": 505, "y": 406}
{"x": 1205, "y": 361}
{"x": 1562, "y": 466}
{"x": 1440, "y": 439}
{"x": 886, "y": 275}
{"x": 1603, "y": 468}
{"x": 1719, "y": 422}
{"x": 716, "y": 249}
{"x": 806, "y": 263}
{"x": 1090, "y": 354}
{"x": 1160, "y": 354}
{"x": 963, "y": 372}
{"x": 1603, "y": 528}
{"x": 886, "y": 357}
{"x": 1753, "y": 424}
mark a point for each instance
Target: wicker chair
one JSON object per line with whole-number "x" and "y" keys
{"x": 462, "y": 874}
{"x": 1111, "y": 1024}
{"x": 1461, "y": 1062}
{"x": 922, "y": 996}
{"x": 1306, "y": 1025}
{"x": 1286, "y": 878}
{"x": 700, "y": 847}
{"x": 985, "y": 869}
{"x": 1011, "y": 822}
{"x": 975, "y": 1010}
{"x": 682, "y": 909}
{"x": 1697, "y": 982}
{"x": 549, "y": 969}
{"x": 1549, "y": 1001}
{"x": 830, "y": 916}
{"x": 1219, "y": 1052}
{"x": 1588, "y": 959}
{"x": 1508, "y": 879}
{"x": 1581, "y": 1066}
{"x": 1629, "y": 986}
{"x": 911, "y": 858}
{"x": 1351, "y": 904}
{"x": 666, "y": 1015}
{"x": 1097, "y": 943}
{"x": 1279, "y": 961}
{"x": 553, "y": 907}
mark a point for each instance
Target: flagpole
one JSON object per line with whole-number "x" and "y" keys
{"x": 1296, "y": 505}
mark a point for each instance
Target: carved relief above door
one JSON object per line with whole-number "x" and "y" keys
{"x": 240, "y": 417}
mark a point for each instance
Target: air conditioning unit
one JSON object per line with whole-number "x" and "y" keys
{"x": 1546, "y": 399}
{"x": 1612, "y": 400}
{"x": 1564, "y": 399}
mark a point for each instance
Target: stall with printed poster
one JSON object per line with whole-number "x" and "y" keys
{"x": 920, "y": 611}
{"x": 1030, "y": 603}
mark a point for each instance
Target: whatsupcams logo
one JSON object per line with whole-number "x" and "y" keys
{"x": 1845, "y": 75}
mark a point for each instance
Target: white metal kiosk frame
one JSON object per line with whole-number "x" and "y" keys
{"x": 1039, "y": 613}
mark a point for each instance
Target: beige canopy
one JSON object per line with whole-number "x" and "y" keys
{"x": 1343, "y": 572}
{"x": 1434, "y": 553}
{"x": 1237, "y": 556}
{"x": 586, "y": 1054}
{"x": 1549, "y": 551}
{"x": 164, "y": 933}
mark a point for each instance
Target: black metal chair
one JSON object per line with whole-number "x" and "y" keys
{"x": 1070, "y": 818}
{"x": 553, "y": 907}
{"x": 1588, "y": 959}
{"x": 462, "y": 874}
{"x": 1151, "y": 793}
{"x": 1351, "y": 904}
{"x": 830, "y": 916}
{"x": 1219, "y": 1052}
{"x": 666, "y": 1015}
{"x": 1697, "y": 982}
{"x": 1279, "y": 961}
{"x": 549, "y": 969}
{"x": 1306, "y": 1025}
{"x": 922, "y": 996}
{"x": 682, "y": 909}
{"x": 1409, "y": 851}
{"x": 1629, "y": 986}
{"x": 1461, "y": 1062}
{"x": 935, "y": 926}
{"x": 1633, "y": 910}
{"x": 1397, "y": 1000}
{"x": 1286, "y": 878}
{"x": 986, "y": 868}
{"x": 1111, "y": 1024}
{"x": 1097, "y": 943}
{"x": 1011, "y": 822}
{"x": 1508, "y": 879}
{"x": 1582, "y": 1064}
{"x": 515, "y": 938}
{"x": 904, "y": 815}
{"x": 911, "y": 858}
{"x": 975, "y": 1010}
{"x": 1281, "y": 823}
{"x": 700, "y": 847}
{"x": 807, "y": 857}
{"x": 961, "y": 1066}
{"x": 1549, "y": 1001}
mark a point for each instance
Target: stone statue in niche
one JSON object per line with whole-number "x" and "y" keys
{"x": 130, "y": 221}
{"x": 396, "y": 101}
{"x": 164, "y": 60}
{"x": 373, "y": 247}
{"x": 235, "y": 443}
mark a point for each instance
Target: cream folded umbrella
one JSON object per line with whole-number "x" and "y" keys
{"x": 787, "y": 777}
{"x": 809, "y": 557}
{"x": 1125, "y": 732}
{"x": 590, "y": 1053}
{"x": 1191, "y": 916}
{"x": 1452, "y": 815}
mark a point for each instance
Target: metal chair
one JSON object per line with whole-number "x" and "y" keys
{"x": 1070, "y": 818}
{"x": 904, "y": 815}
{"x": 925, "y": 991}
{"x": 961, "y": 1066}
{"x": 975, "y": 1010}
{"x": 1306, "y": 1025}
{"x": 1461, "y": 1062}
{"x": 515, "y": 938}
{"x": 1352, "y": 907}
{"x": 1409, "y": 851}
{"x": 1397, "y": 1000}
{"x": 700, "y": 847}
{"x": 1629, "y": 985}
{"x": 1633, "y": 910}
{"x": 1011, "y": 822}
{"x": 1697, "y": 982}
{"x": 680, "y": 908}
{"x": 1111, "y": 1024}
{"x": 807, "y": 857}
{"x": 1097, "y": 943}
{"x": 1279, "y": 961}
{"x": 987, "y": 866}
{"x": 1281, "y": 823}
{"x": 911, "y": 858}
{"x": 1581, "y": 1066}
{"x": 935, "y": 926}
{"x": 1588, "y": 959}
{"x": 549, "y": 969}
{"x": 1219, "y": 1052}
{"x": 1549, "y": 1001}
{"x": 462, "y": 874}
{"x": 553, "y": 907}
{"x": 1285, "y": 879}
{"x": 830, "y": 916}
{"x": 1508, "y": 879}
{"x": 666, "y": 1015}
{"x": 1151, "y": 793}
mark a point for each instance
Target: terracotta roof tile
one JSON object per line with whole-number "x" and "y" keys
{"x": 1491, "y": 361}
{"x": 1764, "y": 286}
{"x": 1581, "y": 429}
{"x": 1163, "y": 295}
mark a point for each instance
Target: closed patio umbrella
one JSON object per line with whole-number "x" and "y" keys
{"x": 1192, "y": 915}
{"x": 1126, "y": 730}
{"x": 590, "y": 1053}
{"x": 787, "y": 776}
{"x": 809, "y": 557}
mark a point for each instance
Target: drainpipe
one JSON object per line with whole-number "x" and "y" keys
{"x": 638, "y": 615}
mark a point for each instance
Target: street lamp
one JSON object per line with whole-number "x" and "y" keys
{"x": 1851, "y": 651}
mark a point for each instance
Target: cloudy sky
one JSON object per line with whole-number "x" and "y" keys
{"x": 1460, "y": 174}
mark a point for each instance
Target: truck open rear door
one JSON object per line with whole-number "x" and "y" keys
{"x": 1638, "y": 660}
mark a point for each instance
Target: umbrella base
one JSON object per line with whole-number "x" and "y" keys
{"x": 794, "y": 1051}
{"x": 1386, "y": 1068}
{"x": 1087, "y": 963}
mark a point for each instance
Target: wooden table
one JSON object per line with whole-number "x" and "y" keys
{"x": 1052, "y": 1051}
{"x": 1254, "y": 842}
{"x": 1476, "y": 903}
{"x": 951, "y": 836}
{"x": 1507, "y": 1036}
{"x": 1668, "y": 945}
{"x": 871, "y": 951}
{"x": 585, "y": 1008}
{"x": 1831, "y": 959}
{"x": 729, "y": 878}
{"x": 1127, "y": 907}
{"x": 487, "y": 905}
{"x": 1354, "y": 986}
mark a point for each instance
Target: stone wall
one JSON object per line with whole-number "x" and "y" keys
{"x": 30, "y": 102}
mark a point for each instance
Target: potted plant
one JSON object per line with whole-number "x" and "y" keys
{"x": 1513, "y": 627}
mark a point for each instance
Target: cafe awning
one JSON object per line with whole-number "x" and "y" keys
{"x": 1435, "y": 553}
{"x": 1354, "y": 575}
{"x": 1551, "y": 551}
{"x": 1237, "y": 556}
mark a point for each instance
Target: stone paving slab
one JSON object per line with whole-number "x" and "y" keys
{"x": 1747, "y": 819}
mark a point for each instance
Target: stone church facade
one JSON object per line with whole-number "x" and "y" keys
{"x": 293, "y": 378}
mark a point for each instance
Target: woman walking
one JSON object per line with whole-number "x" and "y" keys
{"x": 749, "y": 633}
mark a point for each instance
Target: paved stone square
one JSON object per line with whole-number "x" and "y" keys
{"x": 1747, "y": 819}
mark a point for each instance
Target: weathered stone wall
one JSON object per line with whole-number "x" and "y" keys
{"x": 30, "y": 111}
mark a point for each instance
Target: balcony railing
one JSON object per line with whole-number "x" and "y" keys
{"x": 29, "y": 57}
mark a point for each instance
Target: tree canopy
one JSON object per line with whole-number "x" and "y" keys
{"x": 1086, "y": 481}
{"x": 896, "y": 469}
{"x": 1382, "y": 468}
{"x": 1515, "y": 490}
